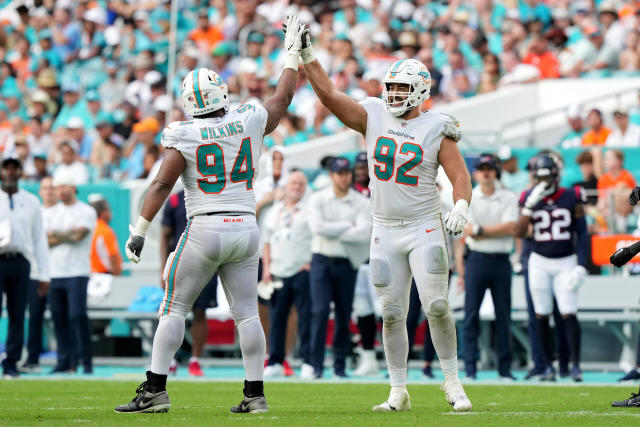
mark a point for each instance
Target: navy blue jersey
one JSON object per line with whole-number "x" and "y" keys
{"x": 553, "y": 222}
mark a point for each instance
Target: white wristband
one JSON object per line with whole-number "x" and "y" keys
{"x": 526, "y": 211}
{"x": 292, "y": 61}
{"x": 142, "y": 226}
{"x": 307, "y": 55}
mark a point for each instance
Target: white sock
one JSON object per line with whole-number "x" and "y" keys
{"x": 397, "y": 390}
{"x": 396, "y": 349}
{"x": 194, "y": 359}
{"x": 166, "y": 342}
{"x": 253, "y": 346}
{"x": 449, "y": 367}
{"x": 443, "y": 335}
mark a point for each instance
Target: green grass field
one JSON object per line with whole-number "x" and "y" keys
{"x": 62, "y": 402}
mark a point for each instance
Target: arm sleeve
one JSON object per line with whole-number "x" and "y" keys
{"x": 360, "y": 232}
{"x": 319, "y": 226}
{"x": 41, "y": 247}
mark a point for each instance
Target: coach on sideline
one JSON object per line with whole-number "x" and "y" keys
{"x": 286, "y": 256}
{"x": 22, "y": 237}
{"x": 489, "y": 236}
{"x": 71, "y": 227}
{"x": 341, "y": 225}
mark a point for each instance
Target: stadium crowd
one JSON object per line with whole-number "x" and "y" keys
{"x": 84, "y": 96}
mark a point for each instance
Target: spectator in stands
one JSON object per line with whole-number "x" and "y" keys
{"x": 205, "y": 36}
{"x": 574, "y": 137}
{"x": 512, "y": 177}
{"x": 540, "y": 56}
{"x": 598, "y": 132}
{"x": 66, "y": 32}
{"x": 614, "y": 30}
{"x": 105, "y": 255}
{"x": 341, "y": 225}
{"x": 489, "y": 236}
{"x": 174, "y": 221}
{"x": 629, "y": 59}
{"x": 113, "y": 167}
{"x": 516, "y": 72}
{"x": 142, "y": 139}
{"x": 37, "y": 298}
{"x": 286, "y": 257}
{"x": 22, "y": 238}
{"x": 151, "y": 162}
{"x": 22, "y": 153}
{"x": 40, "y": 168}
{"x": 69, "y": 230}
{"x": 72, "y": 107}
{"x": 43, "y": 109}
{"x": 458, "y": 79}
{"x": 589, "y": 179}
{"x": 615, "y": 175}
{"x": 69, "y": 165}
{"x": 602, "y": 58}
{"x": 40, "y": 141}
{"x": 75, "y": 131}
{"x": 625, "y": 134}
{"x": 490, "y": 73}
{"x": 112, "y": 90}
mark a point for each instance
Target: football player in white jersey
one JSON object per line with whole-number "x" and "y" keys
{"x": 216, "y": 154}
{"x": 404, "y": 149}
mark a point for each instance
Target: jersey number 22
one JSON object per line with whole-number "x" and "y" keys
{"x": 210, "y": 161}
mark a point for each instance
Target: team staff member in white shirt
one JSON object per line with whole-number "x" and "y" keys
{"x": 341, "y": 225}
{"x": 21, "y": 238}
{"x": 489, "y": 236}
{"x": 286, "y": 256}
{"x": 69, "y": 235}
{"x": 37, "y": 298}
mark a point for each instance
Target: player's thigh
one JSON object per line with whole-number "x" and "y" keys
{"x": 540, "y": 285}
{"x": 240, "y": 284}
{"x": 429, "y": 264}
{"x": 390, "y": 273}
{"x": 567, "y": 298}
{"x": 189, "y": 268}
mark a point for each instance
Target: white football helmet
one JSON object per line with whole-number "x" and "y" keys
{"x": 413, "y": 73}
{"x": 203, "y": 91}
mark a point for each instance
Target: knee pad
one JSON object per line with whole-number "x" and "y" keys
{"x": 438, "y": 307}
{"x": 380, "y": 271}
{"x": 436, "y": 259}
{"x": 392, "y": 313}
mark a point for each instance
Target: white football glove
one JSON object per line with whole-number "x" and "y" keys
{"x": 456, "y": 219}
{"x": 576, "y": 277}
{"x": 293, "y": 41}
{"x": 540, "y": 191}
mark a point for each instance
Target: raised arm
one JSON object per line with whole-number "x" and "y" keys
{"x": 277, "y": 104}
{"x": 346, "y": 109}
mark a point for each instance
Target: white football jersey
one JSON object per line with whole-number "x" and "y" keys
{"x": 222, "y": 156}
{"x": 403, "y": 161}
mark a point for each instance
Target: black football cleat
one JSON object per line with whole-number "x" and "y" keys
{"x": 254, "y": 401}
{"x": 149, "y": 398}
{"x": 632, "y": 402}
